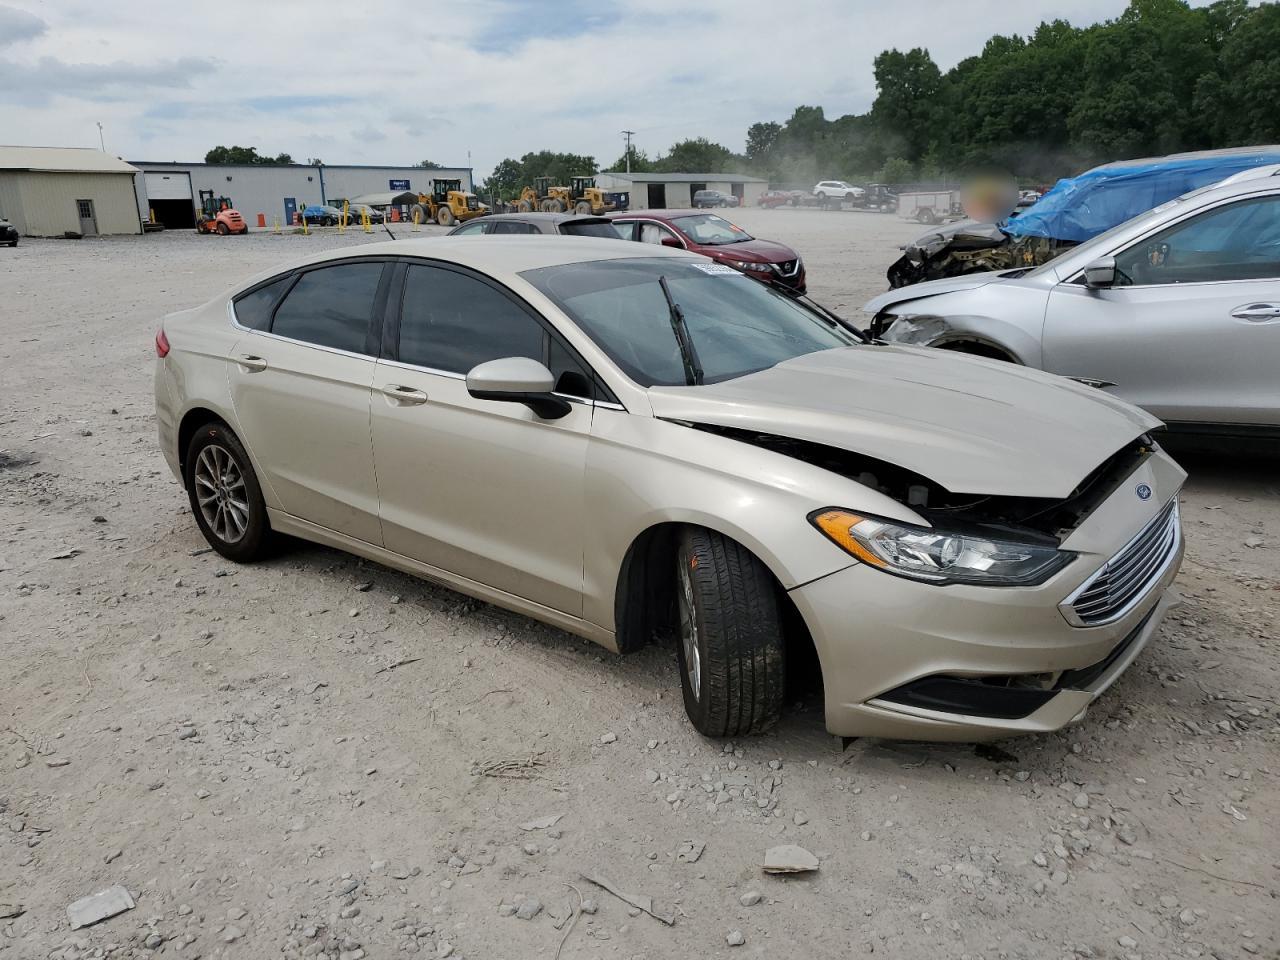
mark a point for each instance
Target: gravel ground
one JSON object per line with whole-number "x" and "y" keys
{"x": 315, "y": 755}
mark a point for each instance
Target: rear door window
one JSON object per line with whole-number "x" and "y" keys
{"x": 253, "y": 310}
{"x": 453, "y": 322}
{"x": 331, "y": 306}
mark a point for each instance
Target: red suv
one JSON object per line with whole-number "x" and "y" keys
{"x": 715, "y": 237}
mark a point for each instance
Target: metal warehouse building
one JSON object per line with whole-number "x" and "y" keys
{"x": 49, "y": 191}
{"x": 658, "y": 191}
{"x": 172, "y": 190}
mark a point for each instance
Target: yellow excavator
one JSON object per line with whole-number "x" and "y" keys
{"x": 447, "y": 204}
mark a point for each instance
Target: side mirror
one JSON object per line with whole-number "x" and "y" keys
{"x": 672, "y": 242}
{"x": 1100, "y": 274}
{"x": 518, "y": 380}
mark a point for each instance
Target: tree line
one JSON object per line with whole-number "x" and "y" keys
{"x": 1163, "y": 77}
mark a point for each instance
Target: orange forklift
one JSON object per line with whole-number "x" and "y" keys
{"x": 218, "y": 216}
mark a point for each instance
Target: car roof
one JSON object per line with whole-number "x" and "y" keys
{"x": 500, "y": 255}
{"x": 660, "y": 214}
{"x": 545, "y": 217}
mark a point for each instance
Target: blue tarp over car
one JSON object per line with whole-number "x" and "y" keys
{"x": 1078, "y": 208}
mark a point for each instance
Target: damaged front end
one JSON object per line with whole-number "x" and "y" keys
{"x": 969, "y": 247}
{"x": 1044, "y": 520}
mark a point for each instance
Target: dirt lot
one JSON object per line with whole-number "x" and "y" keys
{"x": 316, "y": 755}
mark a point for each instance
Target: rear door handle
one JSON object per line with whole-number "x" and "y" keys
{"x": 408, "y": 396}
{"x": 251, "y": 363}
{"x": 1257, "y": 312}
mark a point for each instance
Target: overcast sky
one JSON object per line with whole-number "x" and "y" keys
{"x": 398, "y": 81}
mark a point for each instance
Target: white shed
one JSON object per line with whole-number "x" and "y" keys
{"x": 51, "y": 191}
{"x": 673, "y": 191}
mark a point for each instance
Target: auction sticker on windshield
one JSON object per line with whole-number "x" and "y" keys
{"x": 719, "y": 268}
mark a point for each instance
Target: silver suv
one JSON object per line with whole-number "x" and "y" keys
{"x": 1176, "y": 310}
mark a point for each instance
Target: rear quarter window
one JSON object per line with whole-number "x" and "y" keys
{"x": 253, "y": 309}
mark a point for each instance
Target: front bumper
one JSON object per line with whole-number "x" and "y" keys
{"x": 908, "y": 660}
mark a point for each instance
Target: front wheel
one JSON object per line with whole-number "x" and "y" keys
{"x": 731, "y": 651}
{"x": 225, "y": 496}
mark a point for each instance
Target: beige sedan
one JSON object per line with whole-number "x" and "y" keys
{"x": 634, "y": 443}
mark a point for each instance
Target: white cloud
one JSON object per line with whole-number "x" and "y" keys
{"x": 396, "y": 81}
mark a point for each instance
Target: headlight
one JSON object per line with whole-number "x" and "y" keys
{"x": 750, "y": 267}
{"x": 937, "y": 556}
{"x": 905, "y": 328}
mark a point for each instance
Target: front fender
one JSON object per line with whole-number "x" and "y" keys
{"x": 932, "y": 330}
{"x": 643, "y": 472}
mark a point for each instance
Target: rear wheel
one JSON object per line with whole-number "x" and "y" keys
{"x": 223, "y": 229}
{"x": 731, "y": 650}
{"x": 582, "y": 208}
{"x": 525, "y": 206}
{"x": 225, "y": 496}
{"x": 445, "y": 217}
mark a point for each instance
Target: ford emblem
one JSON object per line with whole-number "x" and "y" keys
{"x": 1143, "y": 491}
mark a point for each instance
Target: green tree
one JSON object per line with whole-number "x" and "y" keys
{"x": 640, "y": 162}
{"x": 761, "y": 139}
{"x": 1240, "y": 102}
{"x": 895, "y": 170}
{"x": 699, "y": 155}
{"x": 243, "y": 155}
{"x": 429, "y": 165}
{"x": 907, "y": 89}
{"x": 510, "y": 175}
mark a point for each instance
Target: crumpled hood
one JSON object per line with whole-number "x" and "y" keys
{"x": 970, "y": 424}
{"x": 930, "y": 288}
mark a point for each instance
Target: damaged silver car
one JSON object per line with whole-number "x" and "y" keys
{"x": 635, "y": 443}
{"x": 1177, "y": 311}
{"x": 1075, "y": 210}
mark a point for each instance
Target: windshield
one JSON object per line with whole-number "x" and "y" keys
{"x": 736, "y": 325}
{"x": 604, "y": 229}
{"x": 711, "y": 231}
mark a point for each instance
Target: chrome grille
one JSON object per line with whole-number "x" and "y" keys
{"x": 787, "y": 268}
{"x": 1124, "y": 580}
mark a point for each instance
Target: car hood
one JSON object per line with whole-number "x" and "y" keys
{"x": 931, "y": 288}
{"x": 970, "y": 424}
{"x": 751, "y": 251}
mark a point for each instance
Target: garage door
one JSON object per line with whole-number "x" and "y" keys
{"x": 168, "y": 186}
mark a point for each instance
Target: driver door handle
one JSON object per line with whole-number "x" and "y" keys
{"x": 1257, "y": 312}
{"x": 408, "y": 396}
{"x": 251, "y": 363}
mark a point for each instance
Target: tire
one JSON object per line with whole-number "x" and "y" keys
{"x": 525, "y": 206}
{"x": 730, "y": 636}
{"x": 224, "y": 494}
{"x": 582, "y": 208}
{"x": 421, "y": 211}
{"x": 223, "y": 229}
{"x": 444, "y": 216}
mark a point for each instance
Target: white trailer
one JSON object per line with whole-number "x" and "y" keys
{"x": 929, "y": 206}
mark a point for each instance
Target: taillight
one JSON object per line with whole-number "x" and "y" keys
{"x": 162, "y": 344}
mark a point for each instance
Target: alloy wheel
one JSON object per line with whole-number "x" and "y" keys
{"x": 689, "y": 634}
{"x": 221, "y": 494}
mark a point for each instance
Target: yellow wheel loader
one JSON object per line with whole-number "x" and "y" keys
{"x": 447, "y": 204}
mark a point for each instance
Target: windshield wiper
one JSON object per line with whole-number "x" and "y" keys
{"x": 830, "y": 316}
{"x": 688, "y": 356}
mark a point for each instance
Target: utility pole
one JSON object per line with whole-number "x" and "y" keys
{"x": 628, "y": 134}
{"x": 101, "y": 143}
